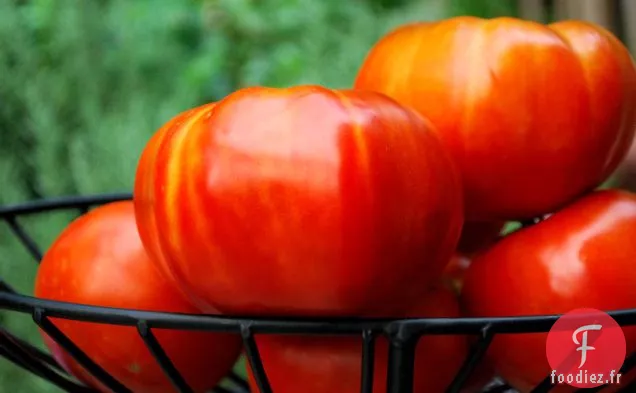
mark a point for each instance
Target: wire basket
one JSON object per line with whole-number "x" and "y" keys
{"x": 402, "y": 334}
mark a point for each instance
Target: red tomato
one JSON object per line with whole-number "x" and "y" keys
{"x": 300, "y": 201}
{"x": 582, "y": 256}
{"x": 534, "y": 115}
{"x": 99, "y": 260}
{"x": 333, "y": 364}
{"x": 477, "y": 235}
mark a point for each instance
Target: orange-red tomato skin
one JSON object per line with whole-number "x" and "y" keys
{"x": 303, "y": 200}
{"x": 99, "y": 260}
{"x": 147, "y": 188}
{"x": 582, "y": 256}
{"x": 535, "y": 116}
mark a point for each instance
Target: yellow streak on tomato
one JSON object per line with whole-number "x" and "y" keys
{"x": 173, "y": 177}
{"x": 357, "y": 131}
{"x": 478, "y": 79}
{"x": 145, "y": 188}
{"x": 195, "y": 165}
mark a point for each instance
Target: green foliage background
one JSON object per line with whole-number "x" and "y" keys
{"x": 84, "y": 84}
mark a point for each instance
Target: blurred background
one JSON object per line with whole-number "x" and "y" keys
{"x": 84, "y": 84}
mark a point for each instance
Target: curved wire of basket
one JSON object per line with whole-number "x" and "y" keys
{"x": 403, "y": 335}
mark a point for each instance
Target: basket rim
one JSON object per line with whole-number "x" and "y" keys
{"x": 290, "y": 324}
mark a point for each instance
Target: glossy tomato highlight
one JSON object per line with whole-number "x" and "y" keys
{"x": 319, "y": 364}
{"x": 580, "y": 257}
{"x": 300, "y": 201}
{"x": 535, "y": 116}
{"x": 99, "y": 260}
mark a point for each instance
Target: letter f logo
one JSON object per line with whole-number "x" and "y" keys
{"x": 584, "y": 347}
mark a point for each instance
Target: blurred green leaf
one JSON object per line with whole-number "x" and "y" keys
{"x": 484, "y": 8}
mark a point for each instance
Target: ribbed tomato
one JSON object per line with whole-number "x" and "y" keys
{"x": 99, "y": 260}
{"x": 145, "y": 196}
{"x": 534, "y": 115}
{"x": 315, "y": 364}
{"x": 580, "y": 257}
{"x": 300, "y": 201}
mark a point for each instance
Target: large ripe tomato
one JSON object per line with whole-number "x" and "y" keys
{"x": 300, "y": 201}
{"x": 99, "y": 260}
{"x": 534, "y": 115}
{"x": 333, "y": 364}
{"x": 582, "y": 256}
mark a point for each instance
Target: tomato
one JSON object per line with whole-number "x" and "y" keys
{"x": 318, "y": 364}
{"x": 534, "y": 115}
{"x": 99, "y": 260}
{"x": 477, "y": 235}
{"x": 300, "y": 201}
{"x": 581, "y": 256}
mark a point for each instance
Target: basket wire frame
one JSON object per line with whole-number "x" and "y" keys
{"x": 403, "y": 335}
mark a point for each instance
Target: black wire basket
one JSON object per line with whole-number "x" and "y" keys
{"x": 402, "y": 334}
